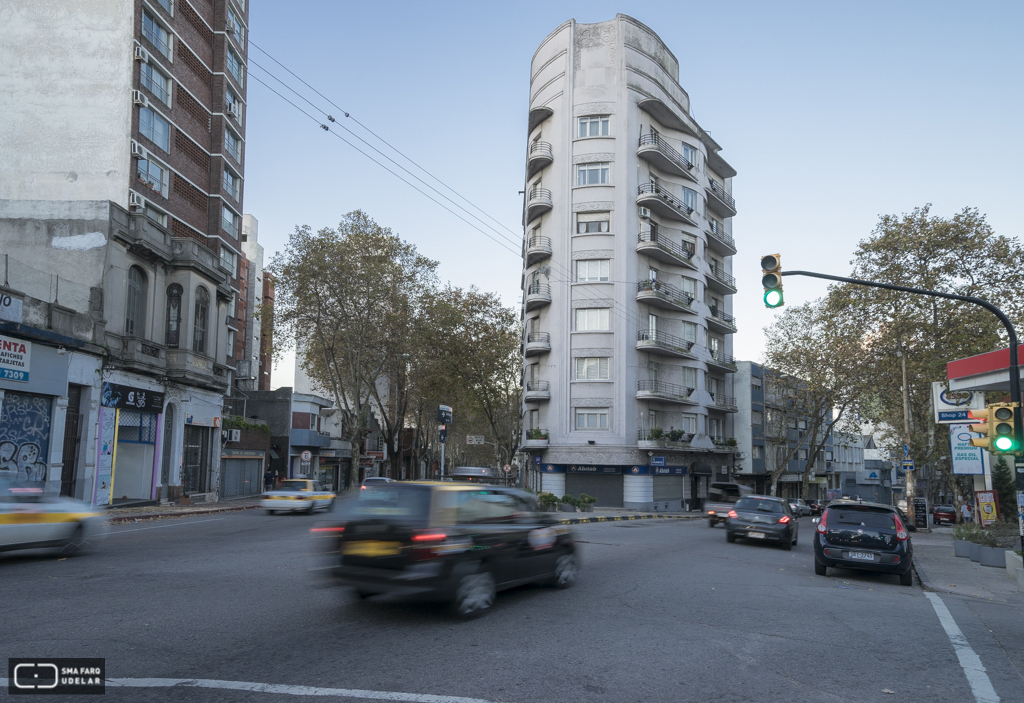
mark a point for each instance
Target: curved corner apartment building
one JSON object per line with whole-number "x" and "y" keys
{"x": 627, "y": 286}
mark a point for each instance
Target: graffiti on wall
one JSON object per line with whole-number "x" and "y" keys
{"x": 24, "y": 437}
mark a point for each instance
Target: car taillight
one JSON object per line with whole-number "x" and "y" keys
{"x": 429, "y": 537}
{"x": 732, "y": 513}
{"x": 324, "y": 530}
{"x": 362, "y": 488}
{"x": 711, "y": 512}
{"x": 901, "y": 532}
{"x": 821, "y": 522}
{"x": 784, "y": 519}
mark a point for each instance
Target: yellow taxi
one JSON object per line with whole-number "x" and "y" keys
{"x": 297, "y": 495}
{"x": 30, "y": 519}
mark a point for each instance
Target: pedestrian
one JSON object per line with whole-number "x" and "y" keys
{"x": 965, "y": 512}
{"x": 268, "y": 480}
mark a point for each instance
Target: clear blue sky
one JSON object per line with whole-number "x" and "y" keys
{"x": 832, "y": 113}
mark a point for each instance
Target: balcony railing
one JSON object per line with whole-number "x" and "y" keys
{"x": 664, "y": 389}
{"x": 719, "y": 191}
{"x": 670, "y": 153}
{"x": 718, "y": 233}
{"x": 721, "y": 276}
{"x": 655, "y": 189}
{"x": 538, "y": 338}
{"x": 538, "y": 386}
{"x": 668, "y": 437}
{"x": 721, "y": 358}
{"x": 537, "y": 248}
{"x": 724, "y": 317}
{"x": 539, "y": 289}
{"x": 540, "y": 150}
{"x": 663, "y": 338}
{"x": 721, "y": 400}
{"x": 538, "y": 202}
{"x": 682, "y": 252}
{"x": 540, "y": 194}
{"x": 665, "y": 290}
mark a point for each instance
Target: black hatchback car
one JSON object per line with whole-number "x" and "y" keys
{"x": 764, "y": 519}
{"x": 444, "y": 541}
{"x": 868, "y": 536}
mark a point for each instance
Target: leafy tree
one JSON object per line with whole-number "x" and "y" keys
{"x": 1006, "y": 489}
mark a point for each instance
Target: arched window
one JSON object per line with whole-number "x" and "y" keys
{"x": 202, "y": 319}
{"x": 173, "y": 315}
{"x": 135, "y": 303}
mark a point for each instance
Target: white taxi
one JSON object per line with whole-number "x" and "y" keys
{"x": 297, "y": 495}
{"x": 29, "y": 519}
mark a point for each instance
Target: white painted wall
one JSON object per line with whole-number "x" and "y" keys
{"x": 65, "y": 97}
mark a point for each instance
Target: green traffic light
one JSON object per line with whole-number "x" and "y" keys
{"x": 1004, "y": 444}
{"x": 773, "y": 298}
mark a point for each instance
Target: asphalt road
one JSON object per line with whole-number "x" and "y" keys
{"x": 665, "y": 610}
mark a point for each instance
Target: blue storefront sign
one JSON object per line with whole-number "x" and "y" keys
{"x": 631, "y": 469}
{"x": 553, "y": 469}
{"x": 657, "y": 461}
{"x": 669, "y": 470}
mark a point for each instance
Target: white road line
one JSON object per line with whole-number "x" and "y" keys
{"x": 157, "y": 527}
{"x": 981, "y": 686}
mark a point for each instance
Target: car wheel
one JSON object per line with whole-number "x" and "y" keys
{"x": 311, "y": 508}
{"x": 73, "y": 543}
{"x": 566, "y": 569}
{"x": 711, "y": 523}
{"x": 730, "y": 537}
{"x": 819, "y": 568}
{"x": 330, "y": 505}
{"x": 271, "y": 512}
{"x": 907, "y": 579}
{"x": 788, "y": 545}
{"x": 474, "y": 595}
{"x": 796, "y": 538}
{"x": 363, "y": 595}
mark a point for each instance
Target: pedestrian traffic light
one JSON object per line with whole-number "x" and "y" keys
{"x": 771, "y": 279}
{"x": 442, "y": 433}
{"x": 997, "y": 428}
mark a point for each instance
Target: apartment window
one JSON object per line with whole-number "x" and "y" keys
{"x": 229, "y": 221}
{"x": 593, "y": 127}
{"x": 801, "y": 454}
{"x": 592, "y": 320}
{"x": 154, "y": 176}
{"x": 155, "y": 128}
{"x": 592, "y": 369}
{"x": 688, "y": 423}
{"x": 591, "y": 418}
{"x": 690, "y": 199}
{"x": 688, "y": 286}
{"x": 756, "y": 417}
{"x": 756, "y": 383}
{"x": 690, "y": 332}
{"x": 791, "y": 424}
{"x": 715, "y": 427}
{"x": 233, "y": 145}
{"x": 592, "y": 270}
{"x": 592, "y": 222}
{"x": 592, "y": 174}
{"x": 232, "y": 184}
{"x": 233, "y": 104}
{"x": 690, "y": 154}
{"x": 156, "y": 83}
{"x": 201, "y": 320}
{"x": 801, "y": 424}
{"x": 312, "y": 421}
{"x": 757, "y": 452}
{"x": 716, "y": 226}
{"x": 689, "y": 377}
{"x": 828, "y": 456}
{"x": 227, "y": 258}
{"x": 158, "y": 217}
{"x": 534, "y": 419}
{"x": 173, "y": 332}
{"x": 135, "y": 427}
{"x": 157, "y": 35}
{"x": 135, "y": 303}
{"x": 234, "y": 66}
{"x": 235, "y": 27}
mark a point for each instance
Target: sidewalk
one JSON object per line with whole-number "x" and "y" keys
{"x": 939, "y": 570}
{"x": 618, "y": 514}
{"x": 153, "y": 512}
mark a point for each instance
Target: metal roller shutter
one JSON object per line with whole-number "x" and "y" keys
{"x": 668, "y": 487}
{"x": 607, "y": 488}
{"x": 241, "y": 477}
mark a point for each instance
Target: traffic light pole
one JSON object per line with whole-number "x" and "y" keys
{"x": 1018, "y": 422}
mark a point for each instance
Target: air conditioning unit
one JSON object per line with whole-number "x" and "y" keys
{"x": 139, "y": 99}
{"x": 233, "y": 110}
{"x": 645, "y": 213}
{"x": 234, "y": 435}
{"x": 141, "y": 54}
{"x": 139, "y": 151}
{"x": 136, "y": 201}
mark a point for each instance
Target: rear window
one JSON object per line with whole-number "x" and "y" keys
{"x": 866, "y": 517}
{"x": 294, "y": 486}
{"x": 389, "y": 501}
{"x": 768, "y": 506}
{"x": 724, "y": 493}
{"x": 475, "y": 507}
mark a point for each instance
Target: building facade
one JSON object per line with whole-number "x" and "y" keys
{"x": 627, "y": 279}
{"x": 120, "y": 210}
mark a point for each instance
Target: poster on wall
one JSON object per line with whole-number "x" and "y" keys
{"x": 106, "y": 447}
{"x": 967, "y": 460}
{"x": 988, "y": 506}
{"x": 15, "y": 359}
{"x": 24, "y": 437}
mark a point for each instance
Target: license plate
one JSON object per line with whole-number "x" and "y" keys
{"x": 371, "y": 548}
{"x": 866, "y": 556}
{"x": 756, "y": 535}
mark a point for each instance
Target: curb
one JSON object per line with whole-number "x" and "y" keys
{"x": 622, "y": 518}
{"x": 134, "y": 518}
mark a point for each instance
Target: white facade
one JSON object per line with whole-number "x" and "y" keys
{"x": 627, "y": 272}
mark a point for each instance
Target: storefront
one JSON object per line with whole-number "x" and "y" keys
{"x": 131, "y": 423}
{"x": 241, "y": 472}
{"x": 669, "y": 487}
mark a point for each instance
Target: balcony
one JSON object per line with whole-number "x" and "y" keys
{"x": 536, "y": 438}
{"x": 537, "y": 295}
{"x": 308, "y": 438}
{"x": 657, "y": 438}
{"x": 143, "y": 237}
{"x": 537, "y": 203}
{"x": 540, "y": 156}
{"x": 657, "y": 342}
{"x": 660, "y": 201}
{"x": 190, "y": 254}
{"x": 720, "y": 401}
{"x": 537, "y": 343}
{"x": 724, "y": 444}
{"x": 537, "y": 115}
{"x": 719, "y": 280}
{"x": 537, "y": 249}
{"x": 537, "y": 391}
{"x": 663, "y": 295}
{"x": 719, "y": 241}
{"x": 656, "y": 151}
{"x": 141, "y": 355}
{"x": 721, "y": 321}
{"x": 720, "y": 360}
{"x": 194, "y": 370}
{"x": 656, "y": 245}
{"x": 661, "y": 390}
{"x": 720, "y": 201}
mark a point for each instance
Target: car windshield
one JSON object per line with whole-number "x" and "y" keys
{"x": 945, "y": 508}
{"x": 723, "y": 493}
{"x": 389, "y": 501}
{"x": 291, "y": 485}
{"x": 863, "y": 516}
{"x": 762, "y": 504}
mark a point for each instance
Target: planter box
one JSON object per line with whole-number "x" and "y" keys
{"x": 993, "y": 556}
{"x": 975, "y": 551}
{"x": 587, "y": 508}
{"x": 565, "y": 508}
{"x": 553, "y": 508}
{"x": 961, "y": 548}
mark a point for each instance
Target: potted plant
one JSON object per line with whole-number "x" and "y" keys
{"x": 536, "y": 433}
{"x": 548, "y": 502}
{"x": 675, "y": 435}
{"x": 993, "y": 544}
{"x": 568, "y": 504}
{"x": 586, "y": 503}
{"x": 655, "y": 433}
{"x": 962, "y": 538}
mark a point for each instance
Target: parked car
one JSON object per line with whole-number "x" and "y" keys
{"x": 762, "y": 518}
{"x": 443, "y": 541}
{"x": 944, "y": 514}
{"x": 369, "y": 481}
{"x": 721, "y": 498}
{"x": 800, "y": 507}
{"x": 868, "y": 536}
{"x": 816, "y": 507}
{"x": 31, "y": 519}
{"x": 297, "y": 495}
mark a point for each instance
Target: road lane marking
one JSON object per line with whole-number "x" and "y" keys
{"x": 290, "y": 690}
{"x": 970, "y": 662}
{"x": 157, "y": 527}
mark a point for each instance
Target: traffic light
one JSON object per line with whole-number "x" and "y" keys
{"x": 771, "y": 279}
{"x": 997, "y": 427}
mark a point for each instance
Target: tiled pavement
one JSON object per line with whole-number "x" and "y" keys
{"x": 940, "y": 570}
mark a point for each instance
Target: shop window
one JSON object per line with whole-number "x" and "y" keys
{"x": 136, "y": 427}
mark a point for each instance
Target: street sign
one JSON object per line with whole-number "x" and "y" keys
{"x": 657, "y": 461}
{"x": 442, "y": 433}
{"x": 508, "y": 468}
{"x": 306, "y": 455}
{"x": 444, "y": 414}
{"x": 906, "y": 451}
{"x": 967, "y": 460}
{"x": 474, "y": 439}
{"x": 908, "y": 466}
{"x": 953, "y": 406}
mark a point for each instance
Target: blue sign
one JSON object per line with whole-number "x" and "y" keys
{"x": 908, "y": 466}
{"x": 657, "y": 461}
{"x": 594, "y": 469}
{"x": 669, "y": 470}
{"x": 536, "y": 458}
{"x": 954, "y": 415}
{"x": 554, "y": 469}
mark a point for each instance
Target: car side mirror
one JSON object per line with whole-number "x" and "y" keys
{"x": 815, "y": 520}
